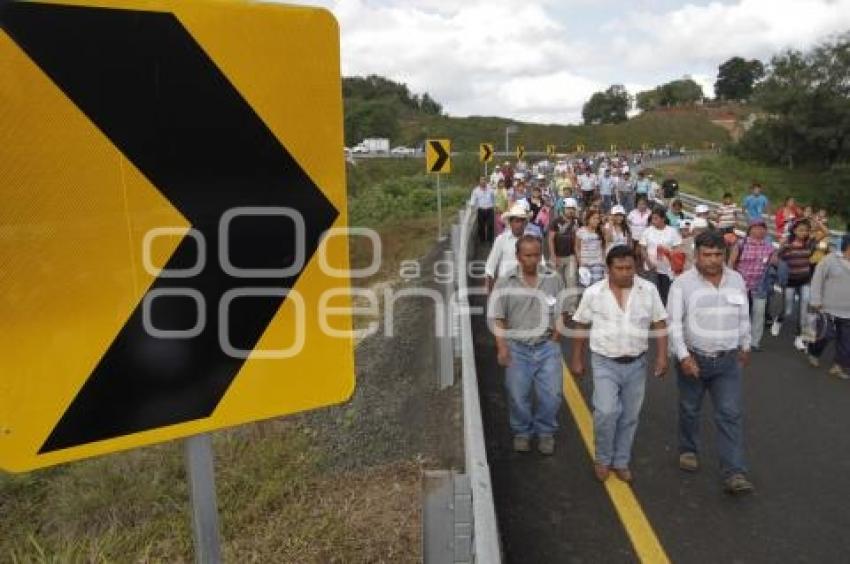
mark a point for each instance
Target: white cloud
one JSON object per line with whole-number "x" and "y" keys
{"x": 708, "y": 35}
{"x": 484, "y": 58}
{"x": 541, "y": 61}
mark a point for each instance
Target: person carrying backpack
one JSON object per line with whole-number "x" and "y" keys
{"x": 751, "y": 258}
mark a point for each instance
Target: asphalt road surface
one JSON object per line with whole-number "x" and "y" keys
{"x": 797, "y": 423}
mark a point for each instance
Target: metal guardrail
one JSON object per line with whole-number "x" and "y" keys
{"x": 486, "y": 544}
{"x": 689, "y": 201}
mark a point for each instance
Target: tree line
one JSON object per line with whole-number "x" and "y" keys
{"x": 736, "y": 79}
{"x": 375, "y": 106}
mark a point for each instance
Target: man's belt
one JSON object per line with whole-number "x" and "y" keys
{"x": 713, "y": 354}
{"x": 626, "y": 359}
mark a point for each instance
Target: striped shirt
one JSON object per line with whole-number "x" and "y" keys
{"x": 797, "y": 255}
{"x": 591, "y": 247}
{"x": 727, "y": 215}
{"x": 707, "y": 318}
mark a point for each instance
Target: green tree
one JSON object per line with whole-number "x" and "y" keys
{"x": 680, "y": 92}
{"x": 737, "y": 77}
{"x": 610, "y": 106}
{"x": 806, "y": 99}
{"x": 370, "y": 118}
{"x": 375, "y": 107}
{"x": 648, "y": 100}
{"x": 429, "y": 106}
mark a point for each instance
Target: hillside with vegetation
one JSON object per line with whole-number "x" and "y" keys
{"x": 712, "y": 177}
{"x": 378, "y": 107}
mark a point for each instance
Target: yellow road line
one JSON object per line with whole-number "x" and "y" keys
{"x": 637, "y": 526}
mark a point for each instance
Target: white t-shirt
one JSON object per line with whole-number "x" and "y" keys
{"x": 587, "y": 182}
{"x": 638, "y": 222}
{"x": 653, "y": 238}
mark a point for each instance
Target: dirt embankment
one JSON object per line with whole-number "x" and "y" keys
{"x": 397, "y": 412}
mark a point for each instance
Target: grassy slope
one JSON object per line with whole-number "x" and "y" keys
{"x": 690, "y": 129}
{"x": 275, "y": 506}
{"x": 712, "y": 177}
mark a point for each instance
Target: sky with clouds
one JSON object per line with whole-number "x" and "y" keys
{"x": 540, "y": 61}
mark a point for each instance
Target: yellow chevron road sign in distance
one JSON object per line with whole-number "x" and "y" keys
{"x": 486, "y": 152}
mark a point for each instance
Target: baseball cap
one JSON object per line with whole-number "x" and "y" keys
{"x": 701, "y": 208}
{"x": 618, "y": 210}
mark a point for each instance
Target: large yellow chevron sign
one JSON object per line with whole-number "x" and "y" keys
{"x": 170, "y": 193}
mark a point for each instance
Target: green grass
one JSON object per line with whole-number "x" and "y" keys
{"x": 713, "y": 176}
{"x": 385, "y": 190}
{"x": 275, "y": 506}
{"x": 690, "y": 129}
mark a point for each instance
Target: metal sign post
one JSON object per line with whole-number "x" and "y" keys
{"x": 439, "y": 210}
{"x": 201, "y": 476}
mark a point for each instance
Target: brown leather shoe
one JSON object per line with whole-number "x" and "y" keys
{"x": 602, "y": 472}
{"x": 689, "y": 462}
{"x": 624, "y": 474}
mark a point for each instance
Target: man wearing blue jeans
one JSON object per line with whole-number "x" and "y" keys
{"x": 619, "y": 311}
{"x": 710, "y": 337}
{"x": 527, "y": 307}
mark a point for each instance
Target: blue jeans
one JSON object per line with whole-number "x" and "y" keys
{"x": 801, "y": 307}
{"x": 627, "y": 200}
{"x": 607, "y": 202}
{"x": 720, "y": 377}
{"x": 837, "y": 329}
{"x": 538, "y": 368}
{"x": 618, "y": 391}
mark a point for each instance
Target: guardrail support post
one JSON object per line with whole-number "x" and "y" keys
{"x": 445, "y": 342}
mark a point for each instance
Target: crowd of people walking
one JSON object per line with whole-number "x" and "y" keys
{"x": 614, "y": 261}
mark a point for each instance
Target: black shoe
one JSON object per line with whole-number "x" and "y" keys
{"x": 737, "y": 484}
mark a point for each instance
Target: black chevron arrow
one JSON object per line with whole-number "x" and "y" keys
{"x": 144, "y": 81}
{"x": 488, "y": 152}
{"x": 442, "y": 156}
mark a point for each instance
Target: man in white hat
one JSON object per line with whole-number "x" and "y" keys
{"x": 561, "y": 245}
{"x": 502, "y": 258}
{"x": 702, "y": 211}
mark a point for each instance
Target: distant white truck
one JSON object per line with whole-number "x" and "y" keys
{"x": 376, "y": 145}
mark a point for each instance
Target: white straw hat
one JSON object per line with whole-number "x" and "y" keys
{"x": 517, "y": 210}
